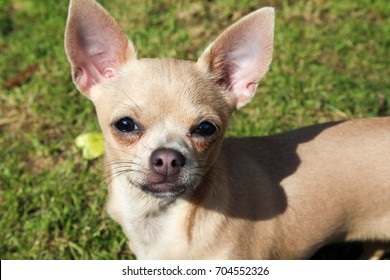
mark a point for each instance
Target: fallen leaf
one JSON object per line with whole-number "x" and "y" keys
{"x": 91, "y": 144}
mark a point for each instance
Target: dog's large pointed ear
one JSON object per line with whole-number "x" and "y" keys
{"x": 241, "y": 55}
{"x": 95, "y": 44}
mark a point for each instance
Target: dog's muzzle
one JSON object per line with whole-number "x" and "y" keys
{"x": 166, "y": 173}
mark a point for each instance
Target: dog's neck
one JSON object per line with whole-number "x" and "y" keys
{"x": 142, "y": 217}
{"x": 150, "y": 223}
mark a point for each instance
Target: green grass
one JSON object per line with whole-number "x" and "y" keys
{"x": 331, "y": 62}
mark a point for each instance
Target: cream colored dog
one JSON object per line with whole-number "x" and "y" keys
{"x": 182, "y": 191}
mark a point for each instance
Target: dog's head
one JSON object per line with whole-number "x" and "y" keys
{"x": 163, "y": 120}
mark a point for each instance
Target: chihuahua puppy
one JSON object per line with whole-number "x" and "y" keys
{"x": 181, "y": 191}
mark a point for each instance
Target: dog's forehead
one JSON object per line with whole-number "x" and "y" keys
{"x": 167, "y": 77}
{"x": 167, "y": 86}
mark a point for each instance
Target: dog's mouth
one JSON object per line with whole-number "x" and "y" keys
{"x": 167, "y": 190}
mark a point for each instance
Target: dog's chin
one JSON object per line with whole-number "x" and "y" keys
{"x": 164, "y": 190}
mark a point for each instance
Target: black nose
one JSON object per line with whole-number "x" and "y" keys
{"x": 167, "y": 162}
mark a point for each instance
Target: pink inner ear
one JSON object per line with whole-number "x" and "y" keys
{"x": 251, "y": 57}
{"x": 81, "y": 79}
{"x": 95, "y": 44}
{"x": 99, "y": 55}
{"x": 91, "y": 77}
{"x": 246, "y": 57}
{"x": 241, "y": 55}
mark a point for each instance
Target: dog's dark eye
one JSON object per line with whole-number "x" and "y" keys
{"x": 205, "y": 129}
{"x": 125, "y": 125}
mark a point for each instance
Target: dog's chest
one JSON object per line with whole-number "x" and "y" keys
{"x": 156, "y": 235}
{"x": 145, "y": 233}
